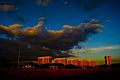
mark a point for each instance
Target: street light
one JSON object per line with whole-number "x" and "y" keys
{"x": 19, "y": 57}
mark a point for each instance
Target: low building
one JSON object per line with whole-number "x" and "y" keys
{"x": 45, "y": 60}
{"x": 80, "y": 63}
{"x": 61, "y": 60}
{"x": 85, "y": 63}
{"x": 93, "y": 63}
{"x": 68, "y": 61}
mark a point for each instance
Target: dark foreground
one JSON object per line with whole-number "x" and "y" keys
{"x": 60, "y": 74}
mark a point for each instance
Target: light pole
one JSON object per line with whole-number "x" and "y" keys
{"x": 19, "y": 55}
{"x": 19, "y": 58}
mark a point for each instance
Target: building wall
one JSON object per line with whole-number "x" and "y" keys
{"x": 93, "y": 63}
{"x": 108, "y": 60}
{"x": 69, "y": 62}
{"x": 80, "y": 62}
{"x": 61, "y": 60}
{"x": 87, "y": 63}
{"x": 45, "y": 60}
{"x": 65, "y": 61}
{"x": 75, "y": 62}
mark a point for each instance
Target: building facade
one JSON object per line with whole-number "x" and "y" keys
{"x": 91, "y": 63}
{"x": 108, "y": 60}
{"x": 80, "y": 63}
{"x": 61, "y": 60}
{"x": 70, "y": 61}
{"x": 45, "y": 60}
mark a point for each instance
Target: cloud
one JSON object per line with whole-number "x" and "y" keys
{"x": 43, "y": 2}
{"x": 63, "y": 39}
{"x": 7, "y": 7}
{"x": 94, "y": 50}
{"x": 105, "y": 48}
{"x": 42, "y": 18}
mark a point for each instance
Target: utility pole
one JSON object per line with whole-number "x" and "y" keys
{"x": 19, "y": 58}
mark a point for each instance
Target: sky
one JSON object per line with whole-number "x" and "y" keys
{"x": 57, "y": 13}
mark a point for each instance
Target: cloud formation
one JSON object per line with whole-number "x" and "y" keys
{"x": 94, "y": 50}
{"x": 105, "y": 48}
{"x": 7, "y": 7}
{"x": 63, "y": 39}
{"x": 43, "y": 2}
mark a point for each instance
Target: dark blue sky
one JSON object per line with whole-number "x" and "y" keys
{"x": 71, "y": 12}
{"x": 68, "y": 12}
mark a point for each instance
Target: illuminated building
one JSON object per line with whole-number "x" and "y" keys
{"x": 73, "y": 62}
{"x": 69, "y": 62}
{"x": 89, "y": 63}
{"x": 60, "y": 60}
{"x": 85, "y": 63}
{"x": 93, "y": 63}
{"x": 108, "y": 60}
{"x": 45, "y": 60}
{"x": 80, "y": 63}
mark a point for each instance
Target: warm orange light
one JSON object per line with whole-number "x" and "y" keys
{"x": 108, "y": 60}
{"x": 45, "y": 60}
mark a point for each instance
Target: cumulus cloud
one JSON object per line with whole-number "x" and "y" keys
{"x": 63, "y": 39}
{"x": 7, "y": 7}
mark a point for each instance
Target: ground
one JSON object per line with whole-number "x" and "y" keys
{"x": 60, "y": 74}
